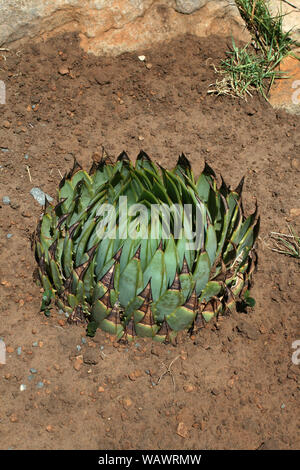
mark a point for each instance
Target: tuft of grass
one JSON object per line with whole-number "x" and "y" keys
{"x": 287, "y": 244}
{"x": 265, "y": 29}
{"x": 254, "y": 66}
{"x": 244, "y": 71}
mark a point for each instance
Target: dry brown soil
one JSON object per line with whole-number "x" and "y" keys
{"x": 234, "y": 385}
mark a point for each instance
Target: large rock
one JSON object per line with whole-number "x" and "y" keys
{"x": 115, "y": 26}
{"x": 161, "y": 22}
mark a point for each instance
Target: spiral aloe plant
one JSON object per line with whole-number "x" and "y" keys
{"x": 102, "y": 258}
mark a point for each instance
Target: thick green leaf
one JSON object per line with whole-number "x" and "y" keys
{"x": 82, "y": 242}
{"x": 67, "y": 259}
{"x": 56, "y": 275}
{"x": 211, "y": 243}
{"x": 166, "y": 304}
{"x": 66, "y": 192}
{"x": 202, "y": 272}
{"x": 170, "y": 258}
{"x": 156, "y": 271}
{"x": 212, "y": 289}
{"x": 99, "y": 311}
{"x": 180, "y": 319}
{"x": 130, "y": 282}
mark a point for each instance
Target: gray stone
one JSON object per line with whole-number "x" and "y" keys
{"x": 189, "y": 6}
{"x": 6, "y": 200}
{"x": 40, "y": 196}
{"x": 91, "y": 357}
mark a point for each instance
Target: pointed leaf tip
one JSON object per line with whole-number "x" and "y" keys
{"x": 143, "y": 155}
{"x": 93, "y": 168}
{"x": 208, "y": 170}
{"x": 123, "y": 157}
{"x": 224, "y": 188}
{"x": 76, "y": 167}
{"x": 62, "y": 181}
{"x": 184, "y": 162}
{"x": 239, "y": 187}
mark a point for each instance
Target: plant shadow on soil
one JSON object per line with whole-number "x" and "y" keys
{"x": 233, "y": 385}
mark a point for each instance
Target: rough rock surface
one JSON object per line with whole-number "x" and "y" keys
{"x": 286, "y": 93}
{"x": 189, "y": 6}
{"x": 115, "y": 26}
{"x": 291, "y": 12}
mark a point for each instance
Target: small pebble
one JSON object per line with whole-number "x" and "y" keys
{"x": 78, "y": 347}
{"x": 9, "y": 235}
{"x": 26, "y": 156}
{"x": 83, "y": 340}
{"x": 6, "y": 200}
{"x": 64, "y": 70}
{"x": 33, "y": 371}
{"x": 4, "y": 149}
{"x": 30, "y": 377}
{"x": 101, "y": 347}
{"x": 39, "y": 385}
{"x": 147, "y": 372}
{"x": 40, "y": 196}
{"x": 182, "y": 430}
{"x": 282, "y": 406}
{"x": 19, "y": 350}
{"x": 60, "y": 311}
{"x": 22, "y": 387}
{"x": 33, "y": 106}
{"x": 127, "y": 403}
{"x": 78, "y": 363}
{"x": 141, "y": 58}
{"x": 190, "y": 388}
{"x": 35, "y": 344}
{"x": 66, "y": 315}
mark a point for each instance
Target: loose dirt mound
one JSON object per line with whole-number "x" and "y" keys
{"x": 232, "y": 386}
